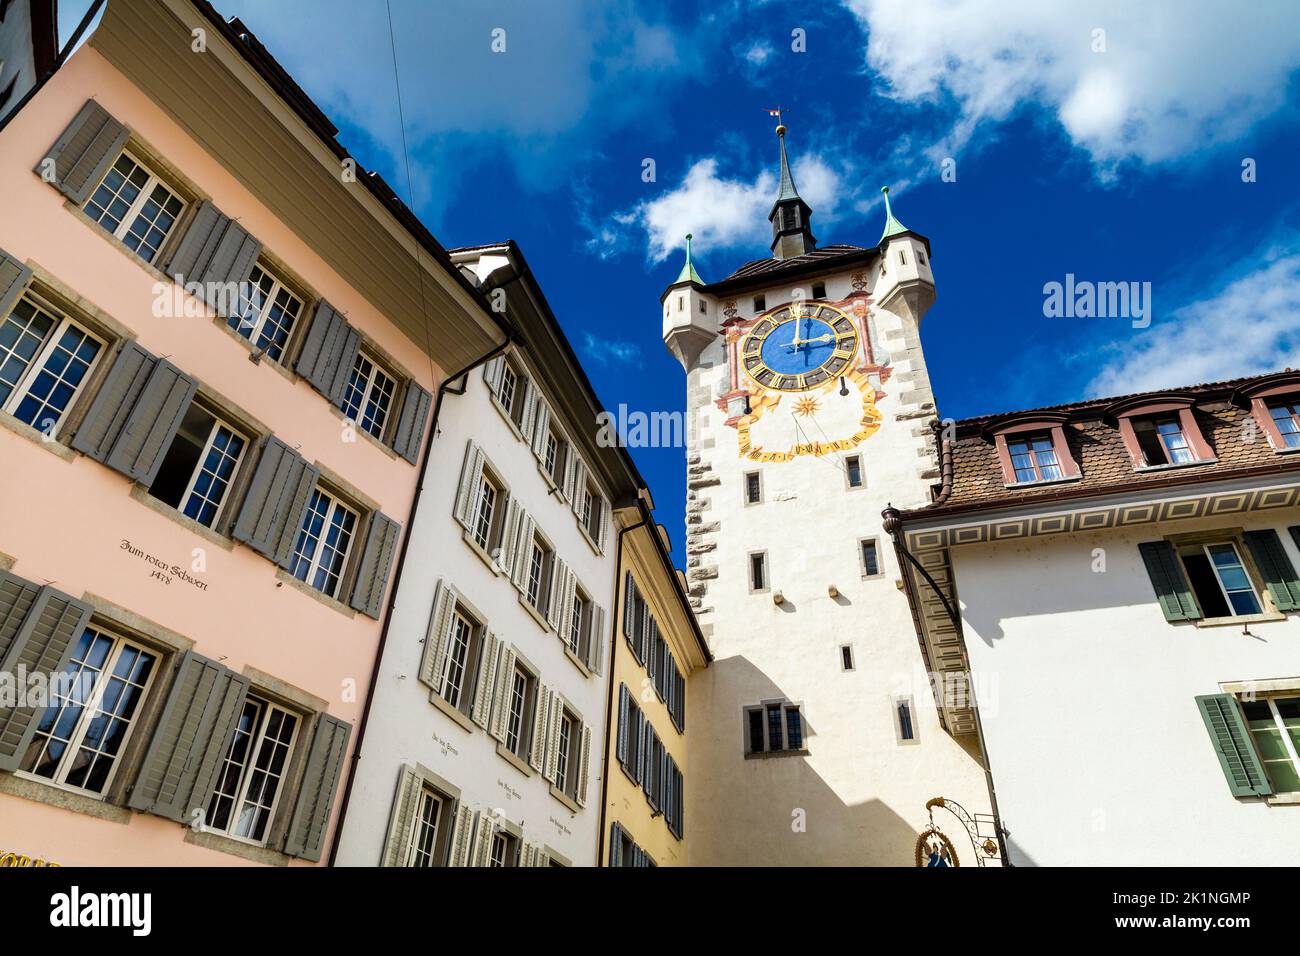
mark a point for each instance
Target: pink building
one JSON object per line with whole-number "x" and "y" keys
{"x": 219, "y": 346}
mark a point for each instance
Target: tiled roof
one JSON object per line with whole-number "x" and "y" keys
{"x": 977, "y": 481}
{"x": 770, "y": 265}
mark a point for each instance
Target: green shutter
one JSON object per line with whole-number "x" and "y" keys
{"x": 1272, "y": 561}
{"x": 14, "y": 277}
{"x": 320, "y": 780}
{"x": 152, "y": 423}
{"x": 329, "y": 352}
{"x": 271, "y": 514}
{"x": 214, "y": 250}
{"x": 84, "y": 152}
{"x": 376, "y": 561}
{"x": 114, "y": 401}
{"x": 42, "y": 644}
{"x": 1233, "y": 744}
{"x": 179, "y": 771}
{"x": 1176, "y": 600}
{"x": 410, "y": 424}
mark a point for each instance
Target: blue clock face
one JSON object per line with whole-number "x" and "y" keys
{"x": 792, "y": 353}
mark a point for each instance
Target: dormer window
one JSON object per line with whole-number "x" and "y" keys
{"x": 1033, "y": 449}
{"x": 1274, "y": 404}
{"x": 1160, "y": 431}
{"x": 1286, "y": 416}
{"x": 1033, "y": 458}
{"x": 1162, "y": 441}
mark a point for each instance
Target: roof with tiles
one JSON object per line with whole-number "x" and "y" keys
{"x": 976, "y": 480}
{"x": 767, "y": 266}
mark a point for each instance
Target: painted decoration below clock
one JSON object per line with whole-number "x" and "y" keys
{"x": 811, "y": 374}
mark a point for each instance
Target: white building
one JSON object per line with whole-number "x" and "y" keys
{"x": 815, "y": 740}
{"x": 484, "y": 738}
{"x": 1126, "y": 583}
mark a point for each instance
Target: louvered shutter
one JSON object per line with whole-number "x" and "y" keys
{"x": 527, "y": 854}
{"x": 554, "y": 720}
{"x": 568, "y": 593}
{"x": 320, "y": 781}
{"x": 409, "y": 436}
{"x": 376, "y": 562}
{"x": 577, "y": 485}
{"x": 541, "y": 429}
{"x": 542, "y": 857}
{"x": 113, "y": 403}
{"x": 521, "y": 560}
{"x": 646, "y": 763}
{"x": 215, "y": 252}
{"x": 485, "y": 681}
{"x": 1166, "y": 573}
{"x": 615, "y": 845}
{"x": 481, "y": 854}
{"x": 1234, "y": 746}
{"x": 401, "y": 819}
{"x": 14, "y": 277}
{"x": 584, "y": 765}
{"x": 651, "y": 656}
{"x": 603, "y": 530}
{"x": 179, "y": 771}
{"x": 624, "y": 715}
{"x": 329, "y": 352}
{"x": 471, "y": 473}
{"x": 555, "y": 609}
{"x": 596, "y": 647}
{"x": 84, "y": 151}
{"x": 492, "y": 372}
{"x": 437, "y": 636}
{"x": 462, "y": 835}
{"x": 529, "y": 424}
{"x": 271, "y": 516}
{"x": 541, "y": 726}
{"x": 509, "y": 537}
{"x": 636, "y": 735}
{"x": 1273, "y": 563}
{"x": 629, "y": 604}
{"x": 17, "y": 595}
{"x": 501, "y": 690}
{"x": 41, "y": 644}
{"x": 152, "y": 423}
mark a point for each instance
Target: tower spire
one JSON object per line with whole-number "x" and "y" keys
{"x": 688, "y": 273}
{"x": 791, "y": 234}
{"x": 892, "y": 226}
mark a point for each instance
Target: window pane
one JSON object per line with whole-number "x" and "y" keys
{"x": 794, "y": 728}
{"x": 755, "y": 731}
{"x": 22, "y": 336}
{"x": 774, "y": 734}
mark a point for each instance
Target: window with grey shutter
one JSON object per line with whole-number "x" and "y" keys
{"x": 1169, "y": 582}
{"x": 179, "y": 770}
{"x": 623, "y": 715}
{"x": 272, "y": 511}
{"x": 41, "y": 644}
{"x": 376, "y": 561}
{"x": 1233, "y": 745}
{"x": 615, "y": 845}
{"x": 410, "y": 425}
{"x": 14, "y": 277}
{"x": 83, "y": 153}
{"x": 401, "y": 820}
{"x": 629, "y": 605}
{"x": 214, "y": 252}
{"x": 1276, "y": 568}
{"x": 320, "y": 780}
{"x": 106, "y": 418}
{"x": 151, "y": 424}
{"x": 328, "y": 352}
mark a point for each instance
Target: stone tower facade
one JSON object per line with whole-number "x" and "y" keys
{"x": 816, "y": 738}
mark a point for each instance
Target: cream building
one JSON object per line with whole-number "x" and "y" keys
{"x": 815, "y": 737}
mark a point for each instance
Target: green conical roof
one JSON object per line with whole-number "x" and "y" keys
{"x": 892, "y": 226}
{"x": 688, "y": 273}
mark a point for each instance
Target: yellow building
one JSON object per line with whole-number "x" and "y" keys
{"x": 657, "y": 647}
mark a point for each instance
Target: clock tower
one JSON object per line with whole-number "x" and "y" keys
{"x": 817, "y": 735}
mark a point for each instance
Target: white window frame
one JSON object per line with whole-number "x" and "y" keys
{"x": 62, "y": 322}
{"x": 520, "y": 733}
{"x": 217, "y": 424}
{"x": 461, "y": 622}
{"x": 128, "y": 220}
{"x": 414, "y": 847}
{"x": 264, "y": 314}
{"x": 372, "y": 383}
{"x": 862, "y": 473}
{"x": 91, "y": 708}
{"x": 749, "y": 572}
{"x": 896, "y": 702}
{"x": 1245, "y": 569}
{"x": 862, "y": 558}
{"x": 315, "y": 561}
{"x": 565, "y": 754}
{"x": 246, "y": 775}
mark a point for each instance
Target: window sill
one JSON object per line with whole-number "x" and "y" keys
{"x": 284, "y": 577}
{"x": 551, "y": 483}
{"x": 590, "y": 540}
{"x": 288, "y": 374}
{"x": 1284, "y": 800}
{"x": 1145, "y": 469}
{"x": 122, "y": 247}
{"x": 463, "y": 721}
{"x": 776, "y": 754}
{"x": 211, "y": 840}
{"x": 42, "y": 791}
{"x": 871, "y": 577}
{"x": 365, "y": 435}
{"x": 501, "y": 410}
{"x": 565, "y": 799}
{"x": 141, "y": 494}
{"x": 37, "y": 437}
{"x": 1013, "y": 485}
{"x": 1240, "y": 620}
{"x": 578, "y": 662}
{"x": 514, "y": 760}
{"x": 535, "y": 614}
{"x": 483, "y": 556}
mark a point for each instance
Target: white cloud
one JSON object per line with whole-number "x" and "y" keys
{"x": 1174, "y": 77}
{"x": 1248, "y": 325}
{"x": 723, "y": 213}
{"x": 606, "y": 351}
{"x": 757, "y": 53}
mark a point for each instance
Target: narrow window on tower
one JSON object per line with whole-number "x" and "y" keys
{"x": 853, "y": 471}
{"x": 869, "y": 553}
{"x": 819, "y": 290}
{"x": 704, "y": 307}
{"x": 758, "y": 571}
{"x": 753, "y": 488}
{"x": 904, "y": 725}
{"x": 760, "y": 304}
{"x": 846, "y": 657}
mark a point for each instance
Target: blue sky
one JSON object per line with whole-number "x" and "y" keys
{"x": 1115, "y": 156}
